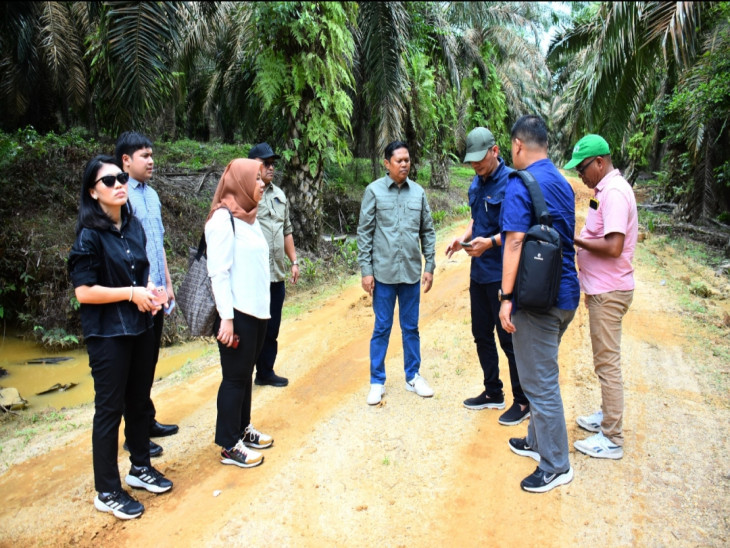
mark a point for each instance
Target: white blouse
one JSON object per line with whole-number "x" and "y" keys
{"x": 238, "y": 266}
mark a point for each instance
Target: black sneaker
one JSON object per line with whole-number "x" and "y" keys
{"x": 118, "y": 503}
{"x": 146, "y": 477}
{"x": 519, "y": 446}
{"x": 242, "y": 456}
{"x": 482, "y": 401}
{"x": 541, "y": 482}
{"x": 514, "y": 415}
{"x": 155, "y": 449}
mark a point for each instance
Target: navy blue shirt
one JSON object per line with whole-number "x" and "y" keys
{"x": 518, "y": 216}
{"x": 485, "y": 200}
{"x": 111, "y": 258}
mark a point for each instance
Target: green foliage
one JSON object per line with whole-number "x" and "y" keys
{"x": 486, "y": 105}
{"x": 190, "y": 154}
{"x": 438, "y": 218}
{"x": 303, "y": 70}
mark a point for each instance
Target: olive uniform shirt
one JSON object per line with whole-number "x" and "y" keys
{"x": 395, "y": 229}
{"x": 273, "y": 216}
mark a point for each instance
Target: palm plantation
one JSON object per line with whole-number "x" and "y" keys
{"x": 333, "y": 82}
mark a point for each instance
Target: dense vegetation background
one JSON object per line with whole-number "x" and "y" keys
{"x": 329, "y": 84}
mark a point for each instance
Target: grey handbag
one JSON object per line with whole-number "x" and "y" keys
{"x": 195, "y": 295}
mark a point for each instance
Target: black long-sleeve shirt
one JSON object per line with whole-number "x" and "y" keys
{"x": 111, "y": 258}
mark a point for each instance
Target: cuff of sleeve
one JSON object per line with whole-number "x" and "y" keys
{"x": 367, "y": 271}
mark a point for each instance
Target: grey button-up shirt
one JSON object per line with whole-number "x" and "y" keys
{"x": 395, "y": 229}
{"x": 273, "y": 216}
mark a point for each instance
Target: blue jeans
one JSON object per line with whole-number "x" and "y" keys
{"x": 409, "y": 299}
{"x": 536, "y": 341}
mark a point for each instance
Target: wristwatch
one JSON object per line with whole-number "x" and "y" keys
{"x": 295, "y": 263}
{"x": 503, "y": 296}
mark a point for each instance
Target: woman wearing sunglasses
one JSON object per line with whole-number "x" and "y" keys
{"x": 238, "y": 266}
{"x": 110, "y": 272}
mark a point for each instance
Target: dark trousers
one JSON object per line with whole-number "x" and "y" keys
{"x": 234, "y": 393}
{"x": 122, "y": 369}
{"x": 265, "y": 361}
{"x": 484, "y": 319}
{"x": 159, "y": 323}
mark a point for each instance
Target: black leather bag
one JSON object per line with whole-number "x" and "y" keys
{"x": 540, "y": 270}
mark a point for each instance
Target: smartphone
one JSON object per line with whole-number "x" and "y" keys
{"x": 465, "y": 244}
{"x": 236, "y": 340}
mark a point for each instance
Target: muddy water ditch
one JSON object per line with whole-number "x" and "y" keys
{"x": 63, "y": 379}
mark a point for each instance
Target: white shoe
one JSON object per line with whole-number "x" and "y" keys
{"x": 419, "y": 385}
{"x": 599, "y": 446}
{"x": 375, "y": 394}
{"x": 592, "y": 423}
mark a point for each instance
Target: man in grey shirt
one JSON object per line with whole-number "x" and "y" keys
{"x": 395, "y": 229}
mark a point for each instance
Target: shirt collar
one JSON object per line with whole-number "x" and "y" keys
{"x": 390, "y": 182}
{"x": 134, "y": 183}
{"x": 606, "y": 178}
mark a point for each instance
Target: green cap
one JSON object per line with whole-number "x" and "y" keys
{"x": 478, "y": 142}
{"x": 589, "y": 146}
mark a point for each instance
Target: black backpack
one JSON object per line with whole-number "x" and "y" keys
{"x": 538, "y": 276}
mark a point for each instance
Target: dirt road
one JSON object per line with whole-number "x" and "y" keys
{"x": 415, "y": 472}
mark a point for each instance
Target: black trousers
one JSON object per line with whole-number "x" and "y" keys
{"x": 123, "y": 370}
{"x": 484, "y": 320}
{"x": 234, "y": 393}
{"x": 265, "y": 361}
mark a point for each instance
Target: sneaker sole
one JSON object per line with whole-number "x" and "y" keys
{"x": 587, "y": 425}
{"x": 117, "y": 513}
{"x": 486, "y": 406}
{"x": 534, "y": 455}
{"x": 257, "y": 445}
{"x": 562, "y": 479}
{"x": 515, "y": 422}
{"x": 411, "y": 389}
{"x": 614, "y": 455}
{"x": 241, "y": 464}
{"x": 134, "y": 481}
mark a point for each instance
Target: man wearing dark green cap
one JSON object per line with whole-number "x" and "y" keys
{"x": 605, "y": 253}
{"x": 484, "y": 246}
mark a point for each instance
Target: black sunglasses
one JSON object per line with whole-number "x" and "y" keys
{"x": 269, "y": 163}
{"x": 110, "y": 180}
{"x": 582, "y": 169}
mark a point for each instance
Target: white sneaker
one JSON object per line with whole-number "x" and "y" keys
{"x": 375, "y": 394}
{"x": 592, "y": 423}
{"x": 419, "y": 385}
{"x": 599, "y": 446}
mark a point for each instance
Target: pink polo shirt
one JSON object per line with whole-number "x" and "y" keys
{"x": 616, "y": 213}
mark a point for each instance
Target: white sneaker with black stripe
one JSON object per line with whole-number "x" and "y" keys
{"x": 600, "y": 447}
{"x": 118, "y": 503}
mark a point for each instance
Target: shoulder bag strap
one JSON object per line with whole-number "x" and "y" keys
{"x": 202, "y": 246}
{"x": 538, "y": 201}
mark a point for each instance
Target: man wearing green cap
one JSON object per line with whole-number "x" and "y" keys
{"x": 605, "y": 253}
{"x": 484, "y": 246}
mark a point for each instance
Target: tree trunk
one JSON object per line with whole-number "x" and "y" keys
{"x": 440, "y": 173}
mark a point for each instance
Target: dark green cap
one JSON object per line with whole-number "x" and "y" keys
{"x": 478, "y": 142}
{"x": 589, "y": 146}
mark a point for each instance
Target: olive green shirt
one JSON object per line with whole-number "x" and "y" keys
{"x": 273, "y": 216}
{"x": 395, "y": 229}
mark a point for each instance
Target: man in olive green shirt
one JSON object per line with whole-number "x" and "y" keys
{"x": 395, "y": 229}
{"x": 273, "y": 216}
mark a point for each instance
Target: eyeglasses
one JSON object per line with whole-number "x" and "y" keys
{"x": 580, "y": 170}
{"x": 269, "y": 163}
{"x": 110, "y": 180}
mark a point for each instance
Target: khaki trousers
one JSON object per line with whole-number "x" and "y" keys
{"x": 605, "y": 313}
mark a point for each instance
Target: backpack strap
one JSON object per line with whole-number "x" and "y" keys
{"x": 538, "y": 201}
